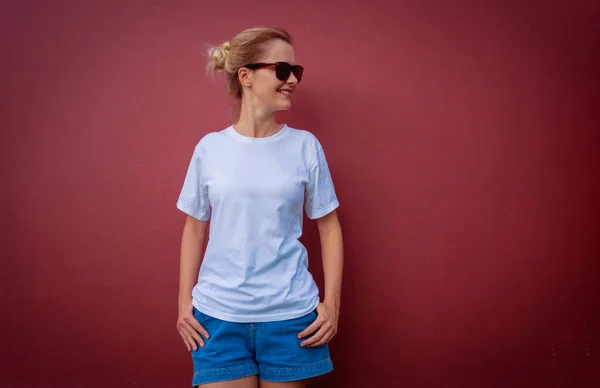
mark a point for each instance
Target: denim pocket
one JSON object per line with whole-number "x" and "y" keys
{"x": 200, "y": 316}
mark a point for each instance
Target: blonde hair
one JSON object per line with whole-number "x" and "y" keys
{"x": 246, "y": 47}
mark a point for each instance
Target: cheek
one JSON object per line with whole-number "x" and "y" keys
{"x": 269, "y": 90}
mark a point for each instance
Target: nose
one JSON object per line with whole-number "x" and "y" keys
{"x": 292, "y": 80}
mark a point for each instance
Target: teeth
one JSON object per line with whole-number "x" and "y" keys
{"x": 286, "y": 92}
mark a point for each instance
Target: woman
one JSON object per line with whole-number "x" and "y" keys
{"x": 253, "y": 317}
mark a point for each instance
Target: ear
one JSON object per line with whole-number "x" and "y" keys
{"x": 245, "y": 77}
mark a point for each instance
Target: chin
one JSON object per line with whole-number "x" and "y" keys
{"x": 287, "y": 106}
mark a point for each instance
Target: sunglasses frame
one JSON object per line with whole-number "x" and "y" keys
{"x": 293, "y": 69}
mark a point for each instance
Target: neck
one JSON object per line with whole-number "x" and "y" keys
{"x": 256, "y": 122}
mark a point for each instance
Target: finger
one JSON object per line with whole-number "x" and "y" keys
{"x": 185, "y": 340}
{"x": 311, "y": 329}
{"x": 187, "y": 345}
{"x": 189, "y": 335}
{"x": 190, "y": 341}
{"x": 197, "y": 326}
{"x": 316, "y": 337}
{"x": 325, "y": 340}
{"x": 193, "y": 334}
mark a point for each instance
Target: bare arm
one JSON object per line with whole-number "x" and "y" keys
{"x": 325, "y": 326}
{"x": 332, "y": 249}
{"x": 192, "y": 247}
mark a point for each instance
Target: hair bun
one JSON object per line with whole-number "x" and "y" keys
{"x": 218, "y": 56}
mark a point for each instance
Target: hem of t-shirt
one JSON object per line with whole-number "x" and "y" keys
{"x": 189, "y": 211}
{"x": 251, "y": 318}
{"x": 326, "y": 210}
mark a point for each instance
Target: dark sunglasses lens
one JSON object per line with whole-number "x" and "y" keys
{"x": 298, "y": 70}
{"x": 284, "y": 70}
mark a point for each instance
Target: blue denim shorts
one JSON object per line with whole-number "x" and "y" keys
{"x": 270, "y": 350}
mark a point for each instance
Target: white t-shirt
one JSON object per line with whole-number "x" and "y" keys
{"x": 254, "y": 191}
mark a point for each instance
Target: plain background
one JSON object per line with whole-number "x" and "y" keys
{"x": 463, "y": 138}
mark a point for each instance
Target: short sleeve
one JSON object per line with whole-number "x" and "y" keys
{"x": 193, "y": 199}
{"x": 320, "y": 193}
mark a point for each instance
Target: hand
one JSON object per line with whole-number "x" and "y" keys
{"x": 189, "y": 328}
{"x": 326, "y": 323}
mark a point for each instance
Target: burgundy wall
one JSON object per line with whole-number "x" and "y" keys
{"x": 463, "y": 138}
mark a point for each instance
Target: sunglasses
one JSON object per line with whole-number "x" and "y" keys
{"x": 282, "y": 69}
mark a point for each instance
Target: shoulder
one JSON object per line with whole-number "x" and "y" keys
{"x": 305, "y": 137}
{"x": 210, "y": 141}
{"x": 308, "y": 144}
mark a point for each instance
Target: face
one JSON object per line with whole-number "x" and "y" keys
{"x": 262, "y": 88}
